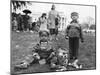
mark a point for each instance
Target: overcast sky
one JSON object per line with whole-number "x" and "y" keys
{"x": 84, "y": 11}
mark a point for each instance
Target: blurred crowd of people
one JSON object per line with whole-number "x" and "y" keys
{"x": 48, "y": 23}
{"x": 22, "y": 23}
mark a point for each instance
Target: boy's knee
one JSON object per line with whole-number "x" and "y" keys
{"x": 54, "y": 60}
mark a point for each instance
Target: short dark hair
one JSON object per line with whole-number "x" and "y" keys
{"x": 44, "y": 14}
{"x": 52, "y": 6}
{"x": 43, "y": 33}
{"x": 74, "y": 14}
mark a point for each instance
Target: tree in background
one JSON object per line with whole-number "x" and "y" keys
{"x": 17, "y": 4}
{"x": 90, "y": 21}
{"x": 85, "y": 25}
{"x": 93, "y": 27}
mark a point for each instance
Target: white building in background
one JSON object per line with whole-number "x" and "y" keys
{"x": 63, "y": 21}
{"x": 35, "y": 16}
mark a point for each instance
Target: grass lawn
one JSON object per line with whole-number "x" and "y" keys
{"x": 22, "y": 43}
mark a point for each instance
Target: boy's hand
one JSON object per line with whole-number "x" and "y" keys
{"x": 82, "y": 40}
{"x": 66, "y": 37}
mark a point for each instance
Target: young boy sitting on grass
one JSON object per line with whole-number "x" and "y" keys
{"x": 74, "y": 32}
{"x": 41, "y": 53}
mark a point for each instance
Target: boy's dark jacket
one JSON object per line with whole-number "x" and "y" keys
{"x": 74, "y": 30}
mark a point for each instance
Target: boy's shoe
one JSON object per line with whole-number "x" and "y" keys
{"x": 75, "y": 64}
{"x": 22, "y": 66}
{"x": 52, "y": 66}
{"x": 61, "y": 68}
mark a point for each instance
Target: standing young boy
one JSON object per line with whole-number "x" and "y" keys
{"x": 74, "y": 32}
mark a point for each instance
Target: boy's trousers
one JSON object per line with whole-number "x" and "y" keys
{"x": 73, "y": 47}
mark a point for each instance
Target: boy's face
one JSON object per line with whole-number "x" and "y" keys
{"x": 63, "y": 56}
{"x": 44, "y": 45}
{"x": 74, "y": 17}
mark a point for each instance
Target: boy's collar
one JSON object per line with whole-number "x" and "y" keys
{"x": 74, "y": 21}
